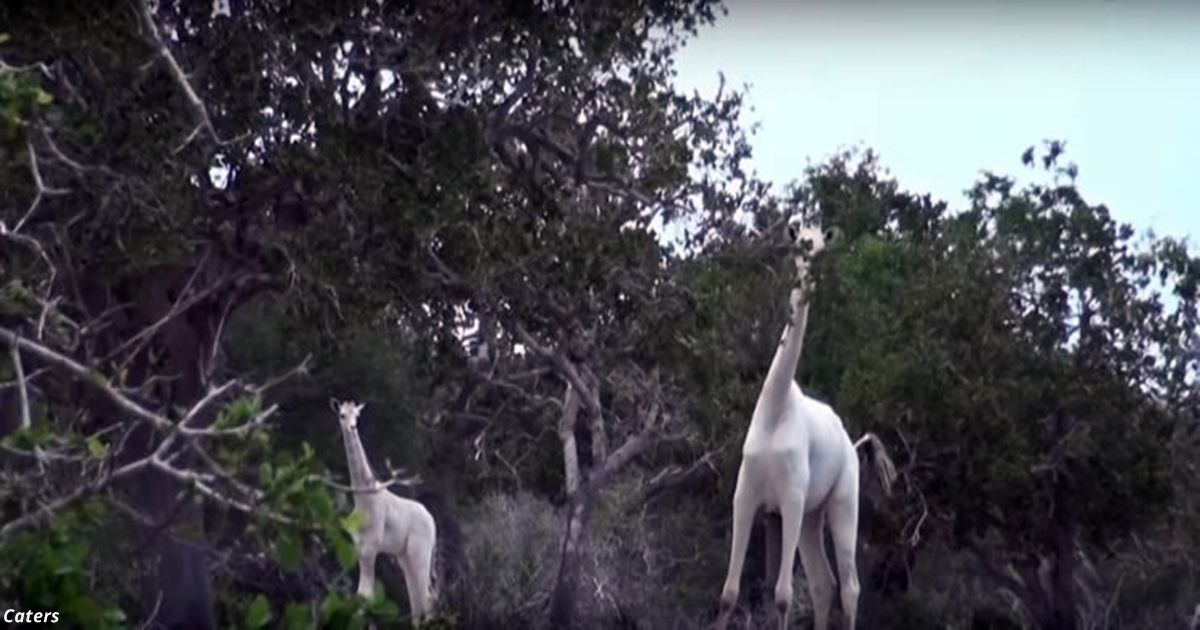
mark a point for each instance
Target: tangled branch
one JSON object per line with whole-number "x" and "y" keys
{"x": 199, "y": 110}
{"x": 183, "y": 433}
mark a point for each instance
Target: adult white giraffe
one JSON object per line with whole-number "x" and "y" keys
{"x": 798, "y": 460}
{"x": 391, "y": 524}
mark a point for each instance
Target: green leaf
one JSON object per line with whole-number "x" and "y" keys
{"x": 4, "y": 37}
{"x": 343, "y": 548}
{"x": 331, "y": 606}
{"x": 98, "y": 379}
{"x": 297, "y": 617}
{"x": 289, "y": 551}
{"x": 43, "y": 97}
{"x": 381, "y": 606}
{"x": 243, "y": 409}
{"x": 67, "y": 562}
{"x": 95, "y": 448}
{"x": 266, "y": 474}
{"x": 258, "y": 615}
{"x": 321, "y": 505}
{"x": 353, "y": 522}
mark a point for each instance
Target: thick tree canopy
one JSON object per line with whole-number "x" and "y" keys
{"x": 545, "y": 271}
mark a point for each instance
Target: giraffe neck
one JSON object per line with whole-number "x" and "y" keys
{"x": 356, "y": 458}
{"x": 782, "y": 373}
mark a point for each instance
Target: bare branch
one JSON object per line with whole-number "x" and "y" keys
{"x": 135, "y": 410}
{"x": 31, "y": 243}
{"x": 162, "y": 457}
{"x": 45, "y": 512}
{"x": 204, "y": 122}
{"x": 220, "y": 471}
{"x": 38, "y": 65}
{"x": 257, "y": 421}
{"x": 216, "y": 346}
{"x": 201, "y": 483}
{"x": 560, "y": 362}
{"x": 15, "y": 355}
{"x": 212, "y": 395}
{"x": 379, "y": 485}
{"x": 182, "y": 304}
{"x": 42, "y": 190}
{"x": 633, "y": 446}
{"x": 301, "y": 369}
{"x": 153, "y": 612}
{"x": 564, "y": 368}
{"x": 86, "y": 375}
{"x": 675, "y": 476}
{"x": 47, "y": 306}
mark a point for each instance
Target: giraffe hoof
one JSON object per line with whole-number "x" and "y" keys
{"x": 726, "y": 611}
{"x": 781, "y": 614}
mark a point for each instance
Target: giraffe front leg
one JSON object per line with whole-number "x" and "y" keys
{"x": 791, "y": 516}
{"x": 366, "y": 573}
{"x": 743, "y": 518}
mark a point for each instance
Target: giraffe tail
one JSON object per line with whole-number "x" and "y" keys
{"x": 877, "y": 453}
{"x": 435, "y": 574}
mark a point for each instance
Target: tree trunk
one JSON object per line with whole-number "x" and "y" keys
{"x": 177, "y": 592}
{"x": 1064, "y": 609}
{"x": 562, "y": 600}
{"x": 583, "y": 493}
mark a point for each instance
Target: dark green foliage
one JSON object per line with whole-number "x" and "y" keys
{"x": 369, "y": 226}
{"x": 50, "y": 570}
{"x": 962, "y": 336}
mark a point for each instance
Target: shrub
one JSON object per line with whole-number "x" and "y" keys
{"x": 512, "y": 547}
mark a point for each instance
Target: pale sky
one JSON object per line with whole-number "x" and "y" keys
{"x": 942, "y": 91}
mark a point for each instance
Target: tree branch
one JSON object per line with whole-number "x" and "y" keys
{"x": 566, "y": 434}
{"x": 633, "y": 446}
{"x": 563, "y": 366}
{"x": 676, "y": 476}
{"x": 45, "y": 512}
{"x": 86, "y": 375}
{"x": 15, "y": 354}
{"x": 159, "y": 459}
{"x": 42, "y": 189}
{"x": 302, "y": 369}
{"x": 204, "y": 122}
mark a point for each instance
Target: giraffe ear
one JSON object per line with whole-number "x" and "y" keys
{"x": 832, "y": 235}
{"x": 791, "y": 232}
{"x": 334, "y": 404}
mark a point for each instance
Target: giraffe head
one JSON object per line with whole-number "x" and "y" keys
{"x": 807, "y": 241}
{"x": 347, "y": 412}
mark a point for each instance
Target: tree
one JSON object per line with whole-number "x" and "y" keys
{"x": 373, "y": 163}
{"x": 1017, "y": 351}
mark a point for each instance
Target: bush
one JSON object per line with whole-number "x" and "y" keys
{"x": 512, "y": 544}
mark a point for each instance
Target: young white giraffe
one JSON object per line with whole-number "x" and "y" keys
{"x": 393, "y": 525}
{"x": 798, "y": 460}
